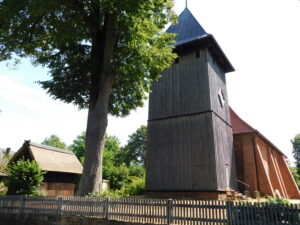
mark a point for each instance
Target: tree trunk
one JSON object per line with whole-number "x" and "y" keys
{"x": 91, "y": 178}
{"x": 103, "y": 44}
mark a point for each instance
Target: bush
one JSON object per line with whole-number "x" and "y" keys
{"x": 136, "y": 187}
{"x": 25, "y": 178}
{"x": 277, "y": 200}
{"x": 108, "y": 194}
{"x": 3, "y": 189}
{"x": 118, "y": 176}
{"x": 136, "y": 170}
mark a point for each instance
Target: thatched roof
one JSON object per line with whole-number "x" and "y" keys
{"x": 50, "y": 158}
{"x": 3, "y": 174}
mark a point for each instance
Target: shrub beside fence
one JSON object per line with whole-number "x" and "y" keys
{"x": 154, "y": 211}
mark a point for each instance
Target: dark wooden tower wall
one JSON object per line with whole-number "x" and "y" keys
{"x": 189, "y": 132}
{"x": 223, "y": 139}
{"x": 182, "y": 89}
{"x": 178, "y": 154}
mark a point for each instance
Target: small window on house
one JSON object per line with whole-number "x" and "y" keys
{"x": 177, "y": 60}
{"x": 222, "y": 99}
{"x": 197, "y": 53}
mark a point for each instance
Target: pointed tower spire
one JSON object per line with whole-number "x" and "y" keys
{"x": 187, "y": 29}
{"x": 191, "y": 34}
{"x": 186, "y": 3}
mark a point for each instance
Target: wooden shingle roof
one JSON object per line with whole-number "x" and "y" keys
{"x": 191, "y": 33}
{"x": 50, "y": 158}
{"x": 187, "y": 29}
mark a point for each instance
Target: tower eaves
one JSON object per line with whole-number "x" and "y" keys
{"x": 191, "y": 34}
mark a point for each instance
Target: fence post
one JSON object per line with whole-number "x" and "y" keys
{"x": 1, "y": 205}
{"x": 21, "y": 207}
{"x": 59, "y": 210}
{"x": 229, "y": 209}
{"x": 169, "y": 211}
{"x": 106, "y": 208}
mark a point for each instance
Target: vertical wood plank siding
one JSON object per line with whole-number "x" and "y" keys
{"x": 217, "y": 81}
{"x": 189, "y": 132}
{"x": 182, "y": 89}
{"x": 180, "y": 155}
{"x": 224, "y": 153}
{"x": 153, "y": 211}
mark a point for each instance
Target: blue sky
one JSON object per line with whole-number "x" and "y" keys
{"x": 260, "y": 38}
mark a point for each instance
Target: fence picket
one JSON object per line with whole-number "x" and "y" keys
{"x": 290, "y": 212}
{"x": 156, "y": 211}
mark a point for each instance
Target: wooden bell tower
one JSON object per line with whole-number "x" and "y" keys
{"x": 190, "y": 146}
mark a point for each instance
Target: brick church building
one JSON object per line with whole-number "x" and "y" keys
{"x": 260, "y": 165}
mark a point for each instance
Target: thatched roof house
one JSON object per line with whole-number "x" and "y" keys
{"x": 3, "y": 175}
{"x": 62, "y": 167}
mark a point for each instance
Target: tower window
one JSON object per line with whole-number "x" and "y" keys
{"x": 197, "y": 53}
{"x": 221, "y": 98}
{"x": 177, "y": 60}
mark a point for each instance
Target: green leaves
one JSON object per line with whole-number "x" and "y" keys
{"x": 78, "y": 146}
{"x": 135, "y": 150}
{"x": 108, "y": 50}
{"x": 25, "y": 178}
{"x": 58, "y": 34}
{"x": 143, "y": 52}
{"x": 54, "y": 141}
{"x": 296, "y": 151}
{"x": 120, "y": 167}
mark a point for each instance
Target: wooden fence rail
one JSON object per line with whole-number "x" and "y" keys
{"x": 154, "y": 211}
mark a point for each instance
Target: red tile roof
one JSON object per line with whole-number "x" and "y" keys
{"x": 239, "y": 125}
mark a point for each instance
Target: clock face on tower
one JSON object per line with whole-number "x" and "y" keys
{"x": 222, "y": 99}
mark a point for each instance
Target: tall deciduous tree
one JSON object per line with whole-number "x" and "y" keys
{"x": 102, "y": 55}
{"x": 113, "y": 170}
{"x": 54, "y": 141}
{"x": 135, "y": 150}
{"x": 78, "y": 146}
{"x": 296, "y": 151}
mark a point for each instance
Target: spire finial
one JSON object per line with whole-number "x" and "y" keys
{"x": 186, "y": 5}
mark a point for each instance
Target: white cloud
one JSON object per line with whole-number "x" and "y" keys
{"x": 31, "y": 114}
